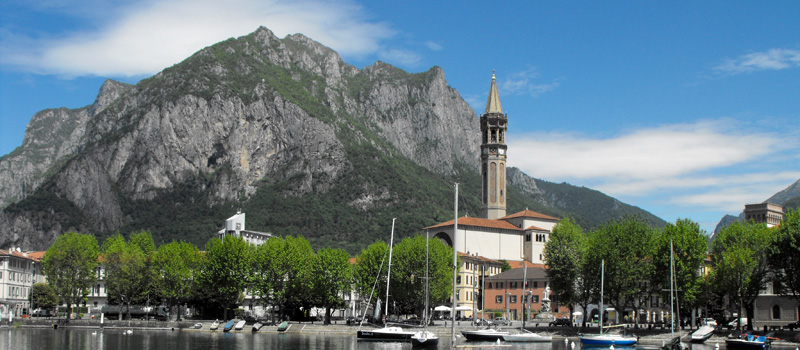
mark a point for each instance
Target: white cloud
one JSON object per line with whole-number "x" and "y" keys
{"x": 773, "y": 59}
{"x": 672, "y": 157}
{"x": 434, "y": 46}
{"x": 146, "y": 37}
{"x": 524, "y": 83}
{"x": 400, "y": 57}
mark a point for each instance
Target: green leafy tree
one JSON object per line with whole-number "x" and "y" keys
{"x": 369, "y": 274}
{"x": 69, "y": 265}
{"x": 408, "y": 273}
{"x": 299, "y": 282}
{"x": 740, "y": 257}
{"x": 332, "y": 274}
{"x": 270, "y": 268}
{"x": 563, "y": 255}
{"x": 151, "y": 293}
{"x": 43, "y": 296}
{"x": 127, "y": 274}
{"x": 690, "y": 249}
{"x": 176, "y": 265}
{"x": 785, "y": 255}
{"x": 625, "y": 247}
{"x": 226, "y": 271}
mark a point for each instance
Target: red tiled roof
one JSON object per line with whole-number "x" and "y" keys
{"x": 516, "y": 264}
{"x": 478, "y": 257}
{"x": 536, "y": 228}
{"x": 529, "y": 214}
{"x": 17, "y": 254}
{"x": 479, "y": 222}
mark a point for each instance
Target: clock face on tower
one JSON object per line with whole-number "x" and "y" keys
{"x": 492, "y": 150}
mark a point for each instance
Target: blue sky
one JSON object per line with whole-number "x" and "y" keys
{"x": 685, "y": 109}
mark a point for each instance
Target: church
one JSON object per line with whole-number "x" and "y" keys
{"x": 496, "y": 235}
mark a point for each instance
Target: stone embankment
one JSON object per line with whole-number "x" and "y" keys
{"x": 646, "y": 336}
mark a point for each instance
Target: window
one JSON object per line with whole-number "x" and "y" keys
{"x": 776, "y": 312}
{"x": 527, "y": 237}
{"x": 499, "y": 285}
{"x": 489, "y": 285}
{"x": 535, "y": 299}
{"x": 499, "y": 299}
{"x": 512, "y": 285}
{"x": 535, "y": 284}
{"x": 512, "y": 299}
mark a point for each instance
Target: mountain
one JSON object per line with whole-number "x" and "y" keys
{"x": 788, "y": 198}
{"x": 282, "y": 129}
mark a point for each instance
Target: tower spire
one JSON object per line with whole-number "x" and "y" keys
{"x": 493, "y": 102}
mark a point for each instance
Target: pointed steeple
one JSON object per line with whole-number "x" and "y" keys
{"x": 493, "y": 102}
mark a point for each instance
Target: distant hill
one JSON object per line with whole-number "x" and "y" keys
{"x": 789, "y": 199}
{"x": 281, "y": 129}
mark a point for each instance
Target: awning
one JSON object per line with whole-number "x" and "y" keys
{"x": 576, "y": 313}
{"x": 463, "y": 308}
{"x": 442, "y": 308}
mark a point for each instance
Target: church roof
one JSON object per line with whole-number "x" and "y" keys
{"x": 479, "y": 222}
{"x": 529, "y": 214}
{"x": 493, "y": 102}
{"x": 535, "y": 228}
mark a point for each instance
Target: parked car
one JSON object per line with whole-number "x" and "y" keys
{"x": 564, "y": 321}
{"x": 792, "y": 326}
{"x": 481, "y": 322}
{"x": 501, "y": 321}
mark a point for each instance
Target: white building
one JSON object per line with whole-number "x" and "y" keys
{"x": 18, "y": 272}
{"x": 235, "y": 226}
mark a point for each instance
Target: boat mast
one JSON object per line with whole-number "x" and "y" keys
{"x": 671, "y": 294}
{"x": 389, "y": 274}
{"x": 455, "y": 273}
{"x": 602, "y": 276}
{"x": 524, "y": 289}
{"x": 427, "y": 278}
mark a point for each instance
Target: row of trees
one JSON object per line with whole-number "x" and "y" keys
{"x": 744, "y": 258}
{"x": 285, "y": 274}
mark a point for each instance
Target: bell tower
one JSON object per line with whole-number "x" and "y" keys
{"x": 493, "y": 156}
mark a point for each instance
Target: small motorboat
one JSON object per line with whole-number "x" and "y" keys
{"x": 197, "y": 326}
{"x": 527, "y": 337}
{"x": 384, "y": 334}
{"x": 702, "y": 334}
{"x": 257, "y": 326}
{"x": 606, "y": 340}
{"x": 240, "y": 325}
{"x": 228, "y": 326}
{"x": 215, "y": 325}
{"x": 748, "y": 342}
{"x": 283, "y": 326}
{"x": 424, "y": 339}
{"x": 489, "y": 334}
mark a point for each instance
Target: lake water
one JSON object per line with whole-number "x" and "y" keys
{"x": 112, "y": 339}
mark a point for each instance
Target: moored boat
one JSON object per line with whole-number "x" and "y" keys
{"x": 384, "y": 334}
{"x": 228, "y": 326}
{"x": 606, "y": 340}
{"x": 257, "y": 326}
{"x": 748, "y": 342}
{"x": 527, "y": 337}
{"x": 215, "y": 325}
{"x": 702, "y": 334}
{"x": 283, "y": 326}
{"x": 488, "y": 334}
{"x": 197, "y": 326}
{"x": 240, "y": 325}
{"x": 424, "y": 339}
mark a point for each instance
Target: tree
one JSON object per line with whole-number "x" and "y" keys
{"x": 43, "y": 296}
{"x": 408, "y": 273}
{"x": 127, "y": 274}
{"x": 332, "y": 276}
{"x": 176, "y": 265}
{"x": 369, "y": 274}
{"x": 785, "y": 255}
{"x": 69, "y": 265}
{"x": 226, "y": 271}
{"x": 299, "y": 258}
{"x": 150, "y": 293}
{"x": 690, "y": 249}
{"x": 563, "y": 255}
{"x": 624, "y": 245}
{"x": 740, "y": 256}
{"x": 270, "y": 267}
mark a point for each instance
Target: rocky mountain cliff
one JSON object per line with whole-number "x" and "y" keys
{"x": 283, "y": 129}
{"x": 789, "y": 198}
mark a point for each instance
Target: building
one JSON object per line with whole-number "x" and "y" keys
{"x": 234, "y": 226}
{"x": 473, "y": 270}
{"x": 506, "y": 292}
{"x": 496, "y": 235}
{"x": 771, "y": 214}
{"x": 18, "y": 272}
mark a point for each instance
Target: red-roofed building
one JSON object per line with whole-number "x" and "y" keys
{"x": 18, "y": 272}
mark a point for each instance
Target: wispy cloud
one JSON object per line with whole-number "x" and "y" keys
{"x": 400, "y": 57}
{"x": 433, "y": 46}
{"x": 525, "y": 83}
{"x": 145, "y": 37}
{"x": 773, "y": 59}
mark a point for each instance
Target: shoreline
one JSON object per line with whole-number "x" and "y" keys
{"x": 646, "y": 336}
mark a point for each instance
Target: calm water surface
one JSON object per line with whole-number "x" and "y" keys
{"x": 45, "y": 338}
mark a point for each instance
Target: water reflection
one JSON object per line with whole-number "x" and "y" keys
{"x": 45, "y": 338}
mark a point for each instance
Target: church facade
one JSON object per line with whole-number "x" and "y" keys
{"x": 496, "y": 235}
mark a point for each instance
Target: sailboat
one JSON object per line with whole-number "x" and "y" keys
{"x": 604, "y": 340}
{"x": 524, "y": 335}
{"x": 386, "y": 333}
{"x": 425, "y": 338}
